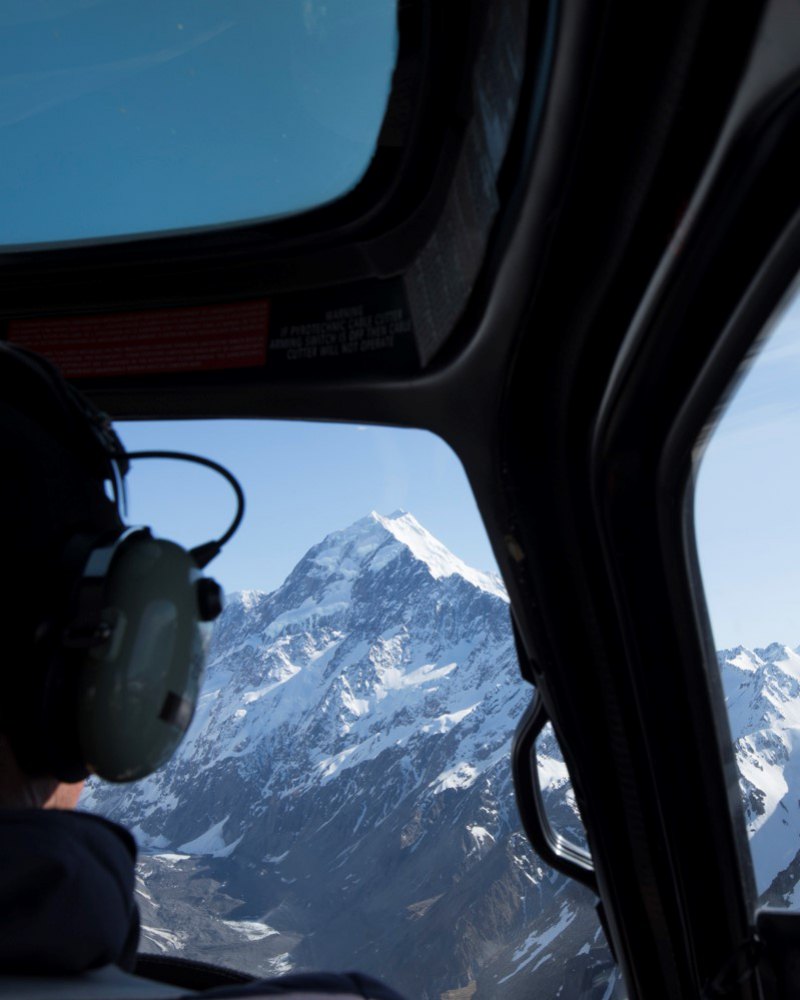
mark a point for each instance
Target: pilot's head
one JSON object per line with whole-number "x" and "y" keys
{"x": 99, "y": 622}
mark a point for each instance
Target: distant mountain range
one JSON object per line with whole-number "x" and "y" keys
{"x": 344, "y": 800}
{"x": 762, "y": 692}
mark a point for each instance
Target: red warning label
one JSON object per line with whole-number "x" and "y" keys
{"x": 152, "y": 341}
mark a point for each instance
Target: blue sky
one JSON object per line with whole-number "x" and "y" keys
{"x": 302, "y": 481}
{"x": 120, "y": 117}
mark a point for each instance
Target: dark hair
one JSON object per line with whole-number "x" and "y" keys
{"x": 53, "y": 496}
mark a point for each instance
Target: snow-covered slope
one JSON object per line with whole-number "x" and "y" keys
{"x": 344, "y": 795}
{"x": 346, "y": 782}
{"x": 762, "y": 692}
{"x": 378, "y": 641}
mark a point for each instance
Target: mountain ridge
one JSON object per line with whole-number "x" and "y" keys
{"x": 346, "y": 779}
{"x": 345, "y": 787}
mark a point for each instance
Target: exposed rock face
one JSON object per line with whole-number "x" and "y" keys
{"x": 343, "y": 799}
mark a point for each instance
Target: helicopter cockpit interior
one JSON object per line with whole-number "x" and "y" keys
{"x": 552, "y": 234}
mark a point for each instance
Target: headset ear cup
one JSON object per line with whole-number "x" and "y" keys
{"x": 138, "y": 689}
{"x": 114, "y": 689}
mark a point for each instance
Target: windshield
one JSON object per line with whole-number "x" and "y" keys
{"x": 344, "y": 796}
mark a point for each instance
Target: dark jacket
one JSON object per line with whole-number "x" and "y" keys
{"x": 66, "y": 893}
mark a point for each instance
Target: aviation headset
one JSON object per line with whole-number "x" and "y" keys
{"x": 104, "y": 620}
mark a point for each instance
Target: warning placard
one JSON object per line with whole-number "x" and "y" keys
{"x": 359, "y": 328}
{"x": 152, "y": 341}
{"x": 351, "y": 330}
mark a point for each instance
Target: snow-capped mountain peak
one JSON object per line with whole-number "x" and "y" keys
{"x": 374, "y": 541}
{"x": 438, "y": 558}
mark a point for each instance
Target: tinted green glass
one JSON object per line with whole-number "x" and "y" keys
{"x": 128, "y": 116}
